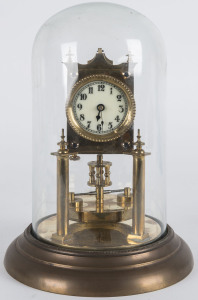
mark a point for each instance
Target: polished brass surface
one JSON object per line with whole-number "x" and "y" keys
{"x": 115, "y": 134}
{"x": 63, "y": 195}
{"x": 62, "y": 189}
{"x": 74, "y": 156}
{"x": 100, "y": 67}
{"x": 78, "y": 205}
{"x": 112, "y": 211}
{"x": 99, "y": 199}
{"x": 99, "y": 177}
{"x": 125, "y": 199}
{"x": 99, "y": 172}
{"x": 89, "y": 235}
{"x": 138, "y": 194}
{"x": 137, "y": 239}
{"x": 138, "y": 223}
{"x": 71, "y": 198}
{"x": 98, "y": 273}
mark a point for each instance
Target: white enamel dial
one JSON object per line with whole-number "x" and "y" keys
{"x": 100, "y": 107}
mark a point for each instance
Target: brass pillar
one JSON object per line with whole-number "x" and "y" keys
{"x": 138, "y": 217}
{"x": 62, "y": 190}
{"x": 138, "y": 194}
{"x": 62, "y": 195}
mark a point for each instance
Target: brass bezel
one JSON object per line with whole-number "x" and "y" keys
{"x": 124, "y": 126}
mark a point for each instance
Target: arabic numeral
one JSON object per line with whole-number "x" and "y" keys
{"x": 90, "y": 90}
{"x": 110, "y": 125}
{"x": 99, "y": 127}
{"x": 88, "y": 124}
{"x": 119, "y": 97}
{"x": 82, "y": 117}
{"x": 83, "y": 96}
{"x": 79, "y": 106}
{"x": 121, "y": 108}
{"x": 117, "y": 118}
{"x": 101, "y": 87}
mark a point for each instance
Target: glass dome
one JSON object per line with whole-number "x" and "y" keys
{"x": 100, "y": 187}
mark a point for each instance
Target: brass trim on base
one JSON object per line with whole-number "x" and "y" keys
{"x": 98, "y": 273}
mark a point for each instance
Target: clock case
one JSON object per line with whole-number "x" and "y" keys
{"x": 108, "y": 272}
{"x": 88, "y": 272}
{"x": 101, "y": 65}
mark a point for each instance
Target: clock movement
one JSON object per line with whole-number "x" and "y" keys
{"x": 99, "y": 225}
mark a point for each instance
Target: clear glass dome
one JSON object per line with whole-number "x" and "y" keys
{"x": 101, "y": 190}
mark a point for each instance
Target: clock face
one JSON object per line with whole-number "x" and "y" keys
{"x": 101, "y": 108}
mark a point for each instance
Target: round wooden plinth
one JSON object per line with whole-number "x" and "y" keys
{"x": 98, "y": 274}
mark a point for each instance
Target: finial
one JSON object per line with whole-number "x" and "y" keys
{"x": 63, "y": 136}
{"x": 100, "y": 50}
{"x": 138, "y": 143}
{"x": 62, "y": 143}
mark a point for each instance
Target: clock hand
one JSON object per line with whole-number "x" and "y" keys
{"x": 98, "y": 116}
{"x": 102, "y": 122}
{"x": 100, "y": 108}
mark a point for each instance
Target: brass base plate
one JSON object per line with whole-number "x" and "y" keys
{"x": 98, "y": 273}
{"x": 97, "y": 236}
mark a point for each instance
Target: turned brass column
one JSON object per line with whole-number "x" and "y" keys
{"x": 62, "y": 189}
{"x": 99, "y": 184}
{"x": 62, "y": 195}
{"x": 138, "y": 217}
{"x": 99, "y": 177}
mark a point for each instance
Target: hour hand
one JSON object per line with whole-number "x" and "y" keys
{"x": 98, "y": 116}
{"x": 100, "y": 108}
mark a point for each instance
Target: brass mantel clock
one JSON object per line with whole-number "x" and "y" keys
{"x": 99, "y": 226}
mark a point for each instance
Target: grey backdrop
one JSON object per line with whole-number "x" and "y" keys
{"x": 19, "y": 23}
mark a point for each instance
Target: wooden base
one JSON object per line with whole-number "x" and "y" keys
{"x": 98, "y": 273}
